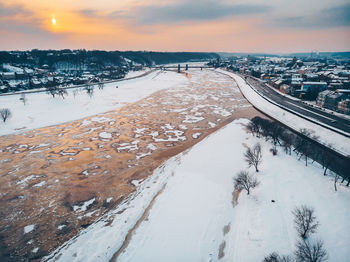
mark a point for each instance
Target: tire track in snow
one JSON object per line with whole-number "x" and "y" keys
{"x": 240, "y": 225}
{"x": 134, "y": 228}
{"x": 287, "y": 226}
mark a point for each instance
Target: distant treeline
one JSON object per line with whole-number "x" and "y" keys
{"x": 309, "y": 56}
{"x": 51, "y": 58}
{"x": 329, "y": 55}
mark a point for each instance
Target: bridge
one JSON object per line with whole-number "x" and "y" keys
{"x": 181, "y": 66}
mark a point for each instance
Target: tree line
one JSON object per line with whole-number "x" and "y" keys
{"x": 303, "y": 145}
{"x": 37, "y": 57}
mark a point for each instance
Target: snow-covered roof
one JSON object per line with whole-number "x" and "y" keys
{"x": 314, "y": 83}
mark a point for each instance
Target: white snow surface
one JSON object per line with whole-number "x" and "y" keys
{"x": 43, "y": 110}
{"x": 28, "y": 229}
{"x": 105, "y": 135}
{"x": 136, "y": 73}
{"x": 327, "y": 137}
{"x": 84, "y": 206}
{"x": 40, "y": 184}
{"x": 196, "y": 135}
{"x": 187, "y": 218}
{"x": 12, "y": 68}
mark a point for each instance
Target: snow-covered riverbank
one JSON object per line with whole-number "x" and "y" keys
{"x": 193, "y": 219}
{"x": 43, "y": 110}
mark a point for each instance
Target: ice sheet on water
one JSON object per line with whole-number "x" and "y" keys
{"x": 84, "y": 206}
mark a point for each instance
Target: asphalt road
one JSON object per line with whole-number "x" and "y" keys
{"x": 308, "y": 111}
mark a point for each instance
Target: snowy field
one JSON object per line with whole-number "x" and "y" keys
{"x": 43, "y": 110}
{"x": 194, "y": 218}
{"x": 327, "y": 137}
{"x": 131, "y": 74}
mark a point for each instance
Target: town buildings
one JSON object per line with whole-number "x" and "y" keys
{"x": 323, "y": 81}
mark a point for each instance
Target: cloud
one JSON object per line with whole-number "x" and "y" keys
{"x": 176, "y": 12}
{"x": 15, "y": 18}
{"x": 194, "y": 11}
{"x": 16, "y": 22}
{"x": 13, "y": 10}
{"x": 336, "y": 16}
{"x": 88, "y": 12}
{"x": 339, "y": 15}
{"x": 21, "y": 28}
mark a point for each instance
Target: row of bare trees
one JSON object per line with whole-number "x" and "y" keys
{"x": 54, "y": 91}
{"x": 244, "y": 180}
{"x": 89, "y": 89}
{"x": 306, "y": 250}
{"x": 304, "y": 147}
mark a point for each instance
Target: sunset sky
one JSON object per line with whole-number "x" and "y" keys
{"x": 176, "y": 25}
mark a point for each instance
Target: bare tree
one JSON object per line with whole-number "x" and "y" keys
{"x": 75, "y": 92}
{"x": 254, "y": 156}
{"x": 5, "y": 114}
{"x": 303, "y": 148}
{"x": 101, "y": 85}
{"x": 305, "y": 221}
{"x": 275, "y": 132}
{"x": 90, "y": 90}
{"x": 275, "y": 257}
{"x": 245, "y": 181}
{"x": 344, "y": 171}
{"x": 52, "y": 90}
{"x": 307, "y": 252}
{"x": 256, "y": 125}
{"x": 287, "y": 142}
{"x": 62, "y": 92}
{"x": 252, "y": 128}
{"x": 23, "y": 99}
{"x": 326, "y": 160}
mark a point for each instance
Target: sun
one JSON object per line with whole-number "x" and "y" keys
{"x": 53, "y": 20}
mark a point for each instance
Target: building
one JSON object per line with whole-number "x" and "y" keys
{"x": 285, "y": 89}
{"x": 35, "y": 83}
{"x": 330, "y": 99}
{"x": 311, "y": 77}
{"x": 265, "y": 77}
{"x": 137, "y": 67}
{"x": 4, "y": 89}
{"x": 310, "y": 90}
{"x": 277, "y": 83}
{"x": 8, "y": 75}
{"x": 344, "y": 106}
